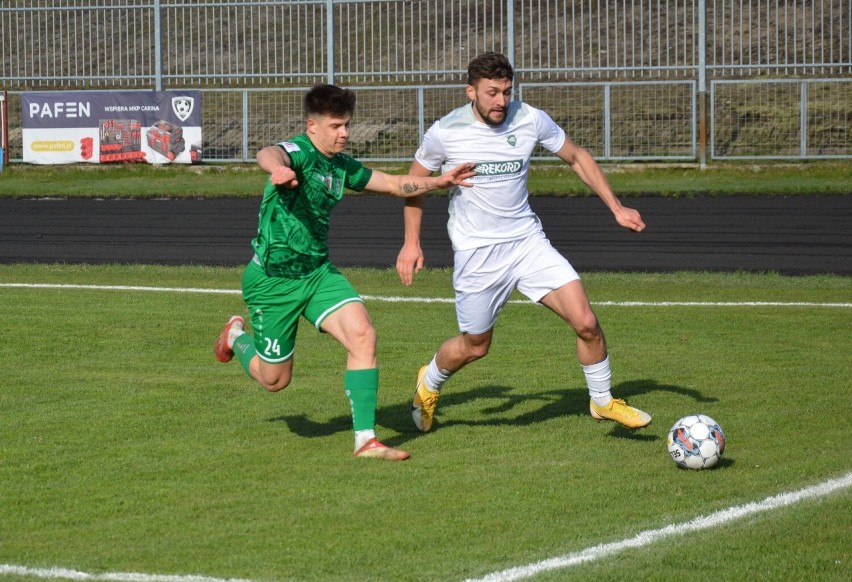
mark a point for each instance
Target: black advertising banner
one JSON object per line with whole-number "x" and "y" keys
{"x": 100, "y": 127}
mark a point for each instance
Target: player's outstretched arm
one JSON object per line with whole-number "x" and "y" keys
{"x": 275, "y": 161}
{"x": 411, "y": 185}
{"x": 585, "y": 166}
{"x": 410, "y": 259}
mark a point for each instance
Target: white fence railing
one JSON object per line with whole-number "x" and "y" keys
{"x": 630, "y": 79}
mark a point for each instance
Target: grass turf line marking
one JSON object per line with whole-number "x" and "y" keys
{"x": 122, "y": 288}
{"x": 648, "y": 537}
{"x": 642, "y": 539}
{"x": 392, "y": 299}
{"x": 65, "y": 574}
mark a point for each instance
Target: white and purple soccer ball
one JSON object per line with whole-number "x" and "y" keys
{"x": 696, "y": 442}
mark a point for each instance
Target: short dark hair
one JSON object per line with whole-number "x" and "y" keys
{"x": 489, "y": 65}
{"x": 329, "y": 100}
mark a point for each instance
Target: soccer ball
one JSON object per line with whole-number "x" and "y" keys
{"x": 696, "y": 442}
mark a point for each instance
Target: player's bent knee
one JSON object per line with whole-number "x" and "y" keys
{"x": 277, "y": 385}
{"x": 474, "y": 350}
{"x": 274, "y": 380}
{"x": 365, "y": 339}
{"x": 588, "y": 328}
{"x": 588, "y": 334}
{"x": 478, "y": 351}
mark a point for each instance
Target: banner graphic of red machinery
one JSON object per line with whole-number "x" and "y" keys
{"x": 102, "y": 127}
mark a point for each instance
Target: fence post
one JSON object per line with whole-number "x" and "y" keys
{"x": 607, "y": 120}
{"x": 246, "y": 126}
{"x": 4, "y": 130}
{"x": 510, "y": 32}
{"x": 158, "y": 46}
{"x": 702, "y": 83}
{"x": 329, "y": 41}
{"x": 803, "y": 119}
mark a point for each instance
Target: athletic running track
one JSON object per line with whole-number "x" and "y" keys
{"x": 795, "y": 235}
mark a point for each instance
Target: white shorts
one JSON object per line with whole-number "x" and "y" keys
{"x": 485, "y": 277}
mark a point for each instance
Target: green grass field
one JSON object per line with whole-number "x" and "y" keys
{"x": 126, "y": 448}
{"x": 209, "y": 180}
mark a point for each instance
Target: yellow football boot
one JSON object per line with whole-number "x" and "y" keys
{"x": 619, "y": 411}
{"x": 425, "y": 403}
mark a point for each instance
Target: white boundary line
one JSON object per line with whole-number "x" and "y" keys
{"x": 642, "y": 539}
{"x": 648, "y": 537}
{"x": 121, "y": 288}
{"x": 393, "y": 299}
{"x": 65, "y": 574}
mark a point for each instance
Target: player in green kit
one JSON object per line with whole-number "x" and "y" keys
{"x": 290, "y": 275}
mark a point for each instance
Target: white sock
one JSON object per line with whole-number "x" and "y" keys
{"x": 235, "y": 332}
{"x": 599, "y": 381}
{"x": 362, "y": 436}
{"x": 435, "y": 377}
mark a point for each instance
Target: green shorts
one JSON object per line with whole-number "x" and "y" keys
{"x": 276, "y": 303}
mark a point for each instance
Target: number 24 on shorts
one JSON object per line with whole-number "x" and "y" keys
{"x": 272, "y": 348}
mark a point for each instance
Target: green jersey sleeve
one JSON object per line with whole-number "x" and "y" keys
{"x": 357, "y": 175}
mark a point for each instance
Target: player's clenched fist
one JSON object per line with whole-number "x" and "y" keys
{"x": 284, "y": 176}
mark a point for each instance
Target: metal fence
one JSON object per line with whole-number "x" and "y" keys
{"x": 781, "y": 119}
{"x": 628, "y": 79}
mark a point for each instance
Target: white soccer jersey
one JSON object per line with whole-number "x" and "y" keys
{"x": 496, "y": 208}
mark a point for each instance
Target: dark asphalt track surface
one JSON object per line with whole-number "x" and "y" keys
{"x": 795, "y": 235}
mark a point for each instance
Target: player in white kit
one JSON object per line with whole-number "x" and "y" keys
{"x": 497, "y": 239}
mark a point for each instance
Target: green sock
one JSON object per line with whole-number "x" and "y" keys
{"x": 244, "y": 350}
{"x": 362, "y": 389}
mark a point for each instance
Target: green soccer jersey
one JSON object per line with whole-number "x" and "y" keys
{"x": 292, "y": 232}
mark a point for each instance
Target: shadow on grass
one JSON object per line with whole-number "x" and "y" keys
{"x": 637, "y": 387}
{"x": 301, "y": 425}
{"x": 721, "y": 465}
{"x": 502, "y": 400}
{"x": 499, "y": 402}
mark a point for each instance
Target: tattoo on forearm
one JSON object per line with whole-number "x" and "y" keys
{"x": 410, "y": 187}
